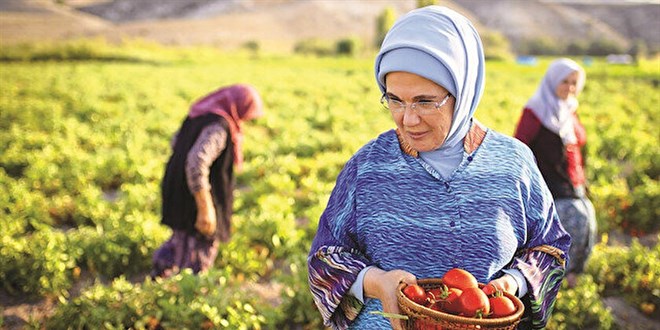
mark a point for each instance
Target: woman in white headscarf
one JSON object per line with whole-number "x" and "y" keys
{"x": 550, "y": 126}
{"x": 440, "y": 191}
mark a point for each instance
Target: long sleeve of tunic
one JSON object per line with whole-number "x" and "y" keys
{"x": 208, "y": 146}
{"x": 393, "y": 211}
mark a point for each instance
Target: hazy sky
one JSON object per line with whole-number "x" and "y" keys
{"x": 606, "y": 1}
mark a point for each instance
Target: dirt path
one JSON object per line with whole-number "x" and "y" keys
{"x": 627, "y": 317}
{"x": 17, "y": 312}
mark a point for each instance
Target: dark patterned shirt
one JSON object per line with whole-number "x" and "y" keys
{"x": 208, "y": 146}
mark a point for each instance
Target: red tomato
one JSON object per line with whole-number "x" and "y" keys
{"x": 489, "y": 289}
{"x": 460, "y": 279}
{"x": 474, "y": 303}
{"x": 434, "y": 294}
{"x": 449, "y": 301}
{"x": 415, "y": 293}
{"x": 436, "y": 307}
{"x": 501, "y": 306}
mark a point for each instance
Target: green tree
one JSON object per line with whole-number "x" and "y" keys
{"x": 496, "y": 46}
{"x": 314, "y": 46}
{"x": 424, "y": 3}
{"x": 602, "y": 47}
{"x": 252, "y": 46}
{"x": 383, "y": 24}
{"x": 639, "y": 50}
{"x": 349, "y": 46}
{"x": 540, "y": 46}
{"x": 577, "y": 48}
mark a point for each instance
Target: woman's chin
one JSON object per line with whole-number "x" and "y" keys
{"x": 420, "y": 147}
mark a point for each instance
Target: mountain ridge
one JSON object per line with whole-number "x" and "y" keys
{"x": 279, "y": 24}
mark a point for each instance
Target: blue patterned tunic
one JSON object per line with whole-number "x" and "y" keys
{"x": 393, "y": 211}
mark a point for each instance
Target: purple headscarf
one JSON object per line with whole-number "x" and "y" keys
{"x": 235, "y": 103}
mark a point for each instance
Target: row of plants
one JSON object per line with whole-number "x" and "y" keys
{"x": 219, "y": 298}
{"x": 628, "y": 272}
{"x": 631, "y": 272}
{"x": 184, "y": 301}
{"x": 84, "y": 145}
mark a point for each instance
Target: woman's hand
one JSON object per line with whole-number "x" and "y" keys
{"x": 505, "y": 283}
{"x": 206, "y": 217}
{"x": 382, "y": 285}
{"x": 206, "y": 221}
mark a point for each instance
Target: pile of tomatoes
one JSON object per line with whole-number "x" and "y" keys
{"x": 460, "y": 295}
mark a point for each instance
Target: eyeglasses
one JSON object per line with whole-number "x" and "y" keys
{"x": 420, "y": 107}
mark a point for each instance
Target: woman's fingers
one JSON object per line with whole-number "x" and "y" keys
{"x": 383, "y": 285}
{"x": 505, "y": 283}
{"x": 205, "y": 224}
{"x": 391, "y": 304}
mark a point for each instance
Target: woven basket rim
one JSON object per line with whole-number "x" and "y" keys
{"x": 415, "y": 310}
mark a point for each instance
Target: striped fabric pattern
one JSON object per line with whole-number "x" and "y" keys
{"x": 547, "y": 275}
{"x": 394, "y": 211}
{"x": 332, "y": 272}
{"x": 210, "y": 143}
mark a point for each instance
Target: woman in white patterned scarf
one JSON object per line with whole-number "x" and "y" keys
{"x": 550, "y": 126}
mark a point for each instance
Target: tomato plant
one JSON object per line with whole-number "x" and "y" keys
{"x": 434, "y": 294}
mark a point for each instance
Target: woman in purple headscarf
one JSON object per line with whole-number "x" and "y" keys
{"x": 197, "y": 188}
{"x": 440, "y": 191}
{"x": 549, "y": 124}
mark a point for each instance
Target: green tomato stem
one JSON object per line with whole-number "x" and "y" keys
{"x": 390, "y": 315}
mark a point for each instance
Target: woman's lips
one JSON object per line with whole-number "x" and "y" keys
{"x": 416, "y": 135}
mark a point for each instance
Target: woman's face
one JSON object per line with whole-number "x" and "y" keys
{"x": 422, "y": 132}
{"x": 568, "y": 86}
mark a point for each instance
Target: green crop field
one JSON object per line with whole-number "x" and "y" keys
{"x": 84, "y": 138}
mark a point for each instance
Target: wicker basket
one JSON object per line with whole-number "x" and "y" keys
{"x": 420, "y": 317}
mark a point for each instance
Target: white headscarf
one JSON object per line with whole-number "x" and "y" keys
{"x": 554, "y": 113}
{"x": 441, "y": 45}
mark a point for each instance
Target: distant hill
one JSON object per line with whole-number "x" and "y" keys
{"x": 633, "y": 21}
{"x": 620, "y": 22}
{"x": 279, "y": 24}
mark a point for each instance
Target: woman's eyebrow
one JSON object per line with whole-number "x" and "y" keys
{"x": 415, "y": 98}
{"x": 425, "y": 97}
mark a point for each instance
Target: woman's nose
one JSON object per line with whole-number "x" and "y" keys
{"x": 410, "y": 117}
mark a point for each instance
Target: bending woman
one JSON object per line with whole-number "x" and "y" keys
{"x": 197, "y": 188}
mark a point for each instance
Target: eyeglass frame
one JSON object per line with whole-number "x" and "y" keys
{"x": 384, "y": 100}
